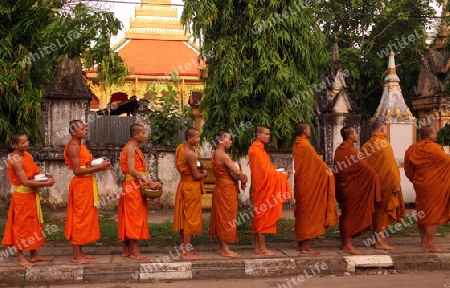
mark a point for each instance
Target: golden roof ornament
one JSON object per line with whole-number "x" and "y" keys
{"x": 389, "y": 112}
{"x": 408, "y": 113}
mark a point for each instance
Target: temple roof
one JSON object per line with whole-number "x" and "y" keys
{"x": 156, "y": 43}
{"x": 160, "y": 57}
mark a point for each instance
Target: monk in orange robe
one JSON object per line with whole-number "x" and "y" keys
{"x": 82, "y": 215}
{"x": 357, "y": 190}
{"x": 380, "y": 156}
{"x": 188, "y": 198}
{"x": 270, "y": 189}
{"x": 23, "y": 229}
{"x": 133, "y": 209}
{"x": 225, "y": 196}
{"x": 428, "y": 168}
{"x": 314, "y": 191}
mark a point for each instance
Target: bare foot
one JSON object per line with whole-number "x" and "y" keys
{"x": 85, "y": 256}
{"x": 190, "y": 256}
{"x": 25, "y": 263}
{"x": 352, "y": 250}
{"x": 230, "y": 254}
{"x": 434, "y": 249}
{"x": 385, "y": 247}
{"x": 310, "y": 251}
{"x": 39, "y": 258}
{"x": 82, "y": 261}
{"x": 265, "y": 252}
{"x": 139, "y": 256}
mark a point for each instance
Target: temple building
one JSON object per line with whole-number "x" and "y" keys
{"x": 154, "y": 47}
{"x": 433, "y": 101}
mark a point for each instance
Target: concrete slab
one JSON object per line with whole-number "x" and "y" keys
{"x": 368, "y": 261}
{"x": 64, "y": 273}
{"x": 164, "y": 271}
{"x": 259, "y": 267}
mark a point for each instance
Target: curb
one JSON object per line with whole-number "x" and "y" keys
{"x": 218, "y": 269}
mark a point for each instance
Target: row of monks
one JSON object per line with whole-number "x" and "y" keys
{"x": 365, "y": 184}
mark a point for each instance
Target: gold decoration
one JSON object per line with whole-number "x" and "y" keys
{"x": 389, "y": 112}
{"x": 399, "y": 88}
{"x": 390, "y": 88}
{"x": 398, "y": 112}
{"x": 408, "y": 113}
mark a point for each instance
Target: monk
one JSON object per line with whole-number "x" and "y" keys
{"x": 357, "y": 190}
{"x": 428, "y": 168}
{"x": 314, "y": 191}
{"x": 133, "y": 209}
{"x": 270, "y": 189}
{"x": 380, "y": 156}
{"x": 225, "y": 196}
{"x": 188, "y": 199}
{"x": 23, "y": 229}
{"x": 82, "y": 225}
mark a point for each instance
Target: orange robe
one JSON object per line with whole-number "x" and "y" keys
{"x": 380, "y": 156}
{"x": 270, "y": 189}
{"x": 133, "y": 208}
{"x": 357, "y": 191}
{"x": 224, "y": 204}
{"x": 188, "y": 199}
{"x": 82, "y": 216}
{"x": 23, "y": 229}
{"x": 314, "y": 192}
{"x": 428, "y": 168}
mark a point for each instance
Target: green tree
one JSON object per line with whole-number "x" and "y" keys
{"x": 34, "y": 37}
{"x": 367, "y": 32}
{"x": 261, "y": 54}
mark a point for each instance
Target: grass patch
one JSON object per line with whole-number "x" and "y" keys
{"x": 163, "y": 236}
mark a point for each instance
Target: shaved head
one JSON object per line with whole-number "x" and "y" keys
{"x": 190, "y": 132}
{"x": 300, "y": 128}
{"x": 135, "y": 129}
{"x": 15, "y": 138}
{"x": 261, "y": 128}
{"x": 74, "y": 124}
{"x": 221, "y": 134}
{"x": 346, "y": 131}
{"x": 426, "y": 131}
{"x": 377, "y": 124}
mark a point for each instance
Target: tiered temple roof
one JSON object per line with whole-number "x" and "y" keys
{"x": 156, "y": 43}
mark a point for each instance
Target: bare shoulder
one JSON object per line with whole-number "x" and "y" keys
{"x": 73, "y": 148}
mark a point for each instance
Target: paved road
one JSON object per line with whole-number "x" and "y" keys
{"x": 439, "y": 279}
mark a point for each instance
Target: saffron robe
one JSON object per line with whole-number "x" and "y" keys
{"x": 357, "y": 191}
{"x": 314, "y": 192}
{"x": 23, "y": 230}
{"x": 188, "y": 198}
{"x": 133, "y": 208}
{"x": 428, "y": 168}
{"x": 380, "y": 156}
{"x": 224, "y": 204}
{"x": 270, "y": 189}
{"x": 82, "y": 225}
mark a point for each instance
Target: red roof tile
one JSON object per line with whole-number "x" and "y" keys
{"x": 159, "y": 57}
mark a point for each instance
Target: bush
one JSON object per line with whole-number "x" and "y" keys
{"x": 443, "y": 136}
{"x": 166, "y": 116}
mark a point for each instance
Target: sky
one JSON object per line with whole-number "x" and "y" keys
{"x": 124, "y": 11}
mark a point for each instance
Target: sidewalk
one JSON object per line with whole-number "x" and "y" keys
{"x": 165, "y": 264}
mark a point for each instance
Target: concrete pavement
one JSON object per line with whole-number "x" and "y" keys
{"x": 165, "y": 263}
